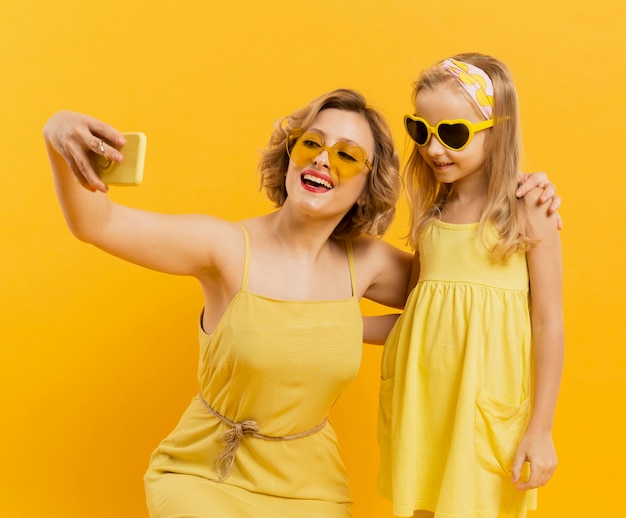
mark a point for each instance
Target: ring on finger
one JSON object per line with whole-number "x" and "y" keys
{"x": 104, "y": 162}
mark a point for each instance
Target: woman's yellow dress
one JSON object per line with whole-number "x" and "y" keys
{"x": 281, "y": 364}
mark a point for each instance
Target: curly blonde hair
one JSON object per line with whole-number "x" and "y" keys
{"x": 427, "y": 196}
{"x": 376, "y": 209}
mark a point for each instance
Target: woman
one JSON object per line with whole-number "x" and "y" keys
{"x": 281, "y": 332}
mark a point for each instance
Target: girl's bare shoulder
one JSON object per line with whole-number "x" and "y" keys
{"x": 539, "y": 223}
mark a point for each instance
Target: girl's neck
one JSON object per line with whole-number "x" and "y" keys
{"x": 464, "y": 205}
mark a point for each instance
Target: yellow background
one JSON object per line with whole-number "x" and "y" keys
{"x": 98, "y": 357}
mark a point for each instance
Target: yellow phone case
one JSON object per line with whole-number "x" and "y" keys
{"x": 130, "y": 170}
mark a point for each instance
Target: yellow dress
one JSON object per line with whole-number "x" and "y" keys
{"x": 455, "y": 393}
{"x": 282, "y": 364}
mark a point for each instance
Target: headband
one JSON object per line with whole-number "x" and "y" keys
{"x": 475, "y": 81}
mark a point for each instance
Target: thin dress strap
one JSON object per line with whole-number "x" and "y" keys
{"x": 246, "y": 266}
{"x": 351, "y": 263}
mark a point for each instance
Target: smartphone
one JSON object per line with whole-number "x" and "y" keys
{"x": 130, "y": 170}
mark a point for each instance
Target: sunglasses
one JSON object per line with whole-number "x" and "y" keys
{"x": 347, "y": 159}
{"x": 454, "y": 134}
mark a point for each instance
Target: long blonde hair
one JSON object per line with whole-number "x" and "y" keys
{"x": 374, "y": 213}
{"x": 427, "y": 196}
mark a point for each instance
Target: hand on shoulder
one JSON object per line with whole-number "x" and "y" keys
{"x": 540, "y": 223}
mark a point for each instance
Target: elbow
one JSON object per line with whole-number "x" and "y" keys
{"x": 81, "y": 231}
{"x": 89, "y": 226}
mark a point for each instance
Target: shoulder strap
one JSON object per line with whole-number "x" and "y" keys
{"x": 351, "y": 264}
{"x": 246, "y": 266}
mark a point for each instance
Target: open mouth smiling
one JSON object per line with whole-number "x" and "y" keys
{"x": 316, "y": 182}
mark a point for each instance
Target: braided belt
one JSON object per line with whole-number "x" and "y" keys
{"x": 239, "y": 430}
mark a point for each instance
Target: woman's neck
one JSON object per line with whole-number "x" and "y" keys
{"x": 300, "y": 238}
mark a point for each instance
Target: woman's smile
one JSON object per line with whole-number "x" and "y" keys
{"x": 315, "y": 181}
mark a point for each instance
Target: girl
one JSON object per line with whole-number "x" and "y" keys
{"x": 471, "y": 370}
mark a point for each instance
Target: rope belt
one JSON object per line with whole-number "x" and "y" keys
{"x": 237, "y": 431}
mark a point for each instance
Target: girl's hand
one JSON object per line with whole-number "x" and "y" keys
{"x": 527, "y": 182}
{"x": 73, "y": 135}
{"x": 539, "y": 452}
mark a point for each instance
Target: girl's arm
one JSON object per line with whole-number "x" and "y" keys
{"x": 172, "y": 244}
{"x": 544, "y": 264}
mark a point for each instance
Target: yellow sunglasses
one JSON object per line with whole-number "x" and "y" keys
{"x": 347, "y": 159}
{"x": 454, "y": 134}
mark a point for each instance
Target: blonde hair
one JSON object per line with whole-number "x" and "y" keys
{"x": 376, "y": 208}
{"x": 502, "y": 163}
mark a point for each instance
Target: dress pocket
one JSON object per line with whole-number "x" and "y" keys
{"x": 384, "y": 412}
{"x": 384, "y": 436}
{"x": 499, "y": 428}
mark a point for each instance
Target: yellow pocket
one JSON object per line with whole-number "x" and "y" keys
{"x": 384, "y": 412}
{"x": 384, "y": 434}
{"x": 499, "y": 428}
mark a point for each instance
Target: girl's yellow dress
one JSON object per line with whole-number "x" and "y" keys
{"x": 455, "y": 392}
{"x": 281, "y": 364}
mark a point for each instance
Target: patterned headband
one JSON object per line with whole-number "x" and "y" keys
{"x": 475, "y": 82}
